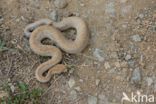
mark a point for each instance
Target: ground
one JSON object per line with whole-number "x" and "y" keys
{"x": 120, "y": 57}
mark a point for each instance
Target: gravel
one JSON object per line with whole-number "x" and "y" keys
{"x": 97, "y": 82}
{"x": 92, "y": 100}
{"x": 71, "y": 82}
{"x": 136, "y": 76}
{"x": 128, "y": 57}
{"x": 73, "y": 95}
{"x": 60, "y": 3}
{"x": 136, "y": 38}
{"x": 107, "y": 66}
{"x": 98, "y": 54}
{"x": 149, "y": 81}
{"x": 110, "y": 9}
{"x": 54, "y": 15}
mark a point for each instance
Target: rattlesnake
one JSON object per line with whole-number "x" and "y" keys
{"x": 45, "y": 28}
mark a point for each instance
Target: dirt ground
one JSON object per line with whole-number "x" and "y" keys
{"x": 121, "y": 56}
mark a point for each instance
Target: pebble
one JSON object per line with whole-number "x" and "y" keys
{"x": 123, "y": 1}
{"x": 110, "y": 9}
{"x": 117, "y": 64}
{"x": 92, "y": 100}
{"x": 102, "y": 99}
{"x": 131, "y": 63}
{"x": 136, "y": 38}
{"x": 3, "y": 94}
{"x": 12, "y": 87}
{"x": 77, "y": 88}
{"x": 82, "y": 5}
{"x": 128, "y": 57}
{"x": 136, "y": 76}
{"x": 97, "y": 82}
{"x": 98, "y": 54}
{"x": 73, "y": 95}
{"x": 107, "y": 66}
{"x": 60, "y": 3}
{"x": 54, "y": 15}
{"x": 141, "y": 15}
{"x": 149, "y": 81}
{"x": 71, "y": 82}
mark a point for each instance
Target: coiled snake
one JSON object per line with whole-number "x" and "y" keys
{"x": 45, "y": 28}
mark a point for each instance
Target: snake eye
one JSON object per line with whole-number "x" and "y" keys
{"x": 31, "y": 30}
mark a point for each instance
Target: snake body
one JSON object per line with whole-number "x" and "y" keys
{"x": 48, "y": 29}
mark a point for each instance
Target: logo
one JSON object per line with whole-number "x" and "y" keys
{"x": 137, "y": 98}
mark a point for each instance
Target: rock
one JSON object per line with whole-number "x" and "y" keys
{"x": 107, "y": 66}
{"x": 141, "y": 16}
{"x": 110, "y": 8}
{"x": 117, "y": 64}
{"x": 136, "y": 76}
{"x": 131, "y": 63}
{"x": 81, "y": 80}
{"x": 77, "y": 88}
{"x": 123, "y": 1}
{"x": 102, "y": 99}
{"x": 125, "y": 9}
{"x": 98, "y": 54}
{"x": 124, "y": 64}
{"x": 71, "y": 82}
{"x": 149, "y": 81}
{"x": 128, "y": 57}
{"x": 54, "y": 15}
{"x": 82, "y": 5}
{"x": 92, "y": 100}
{"x": 60, "y": 3}
{"x": 97, "y": 82}
{"x": 3, "y": 94}
{"x": 136, "y": 38}
{"x": 12, "y": 87}
{"x": 73, "y": 95}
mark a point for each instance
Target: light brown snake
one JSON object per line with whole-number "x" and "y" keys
{"x": 45, "y": 28}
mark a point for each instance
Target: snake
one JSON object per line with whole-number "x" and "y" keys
{"x": 46, "y": 28}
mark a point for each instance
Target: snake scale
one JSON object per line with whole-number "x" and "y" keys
{"x": 46, "y": 28}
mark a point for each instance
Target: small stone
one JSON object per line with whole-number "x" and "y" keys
{"x": 123, "y": 1}
{"x": 103, "y": 99}
{"x": 136, "y": 76}
{"x": 77, "y": 88}
{"x": 12, "y": 87}
{"x": 131, "y": 63}
{"x": 124, "y": 64}
{"x": 128, "y": 57}
{"x": 82, "y": 5}
{"x": 97, "y": 82}
{"x": 71, "y": 82}
{"x": 136, "y": 38}
{"x": 3, "y": 94}
{"x": 60, "y": 3}
{"x": 73, "y": 95}
{"x": 81, "y": 80}
{"x": 149, "y": 81}
{"x": 110, "y": 9}
{"x": 107, "y": 66}
{"x": 117, "y": 64}
{"x": 98, "y": 54}
{"x": 54, "y": 15}
{"x": 141, "y": 15}
{"x": 92, "y": 100}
